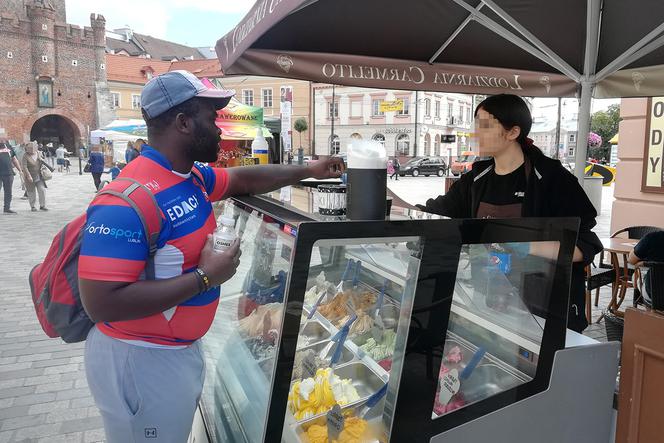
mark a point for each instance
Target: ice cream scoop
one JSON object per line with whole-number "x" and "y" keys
{"x": 363, "y": 324}
{"x": 317, "y": 395}
{"x": 354, "y": 429}
{"x": 382, "y": 349}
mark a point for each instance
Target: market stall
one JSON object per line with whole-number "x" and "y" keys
{"x": 240, "y": 125}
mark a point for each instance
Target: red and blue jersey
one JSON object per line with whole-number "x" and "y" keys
{"x": 114, "y": 246}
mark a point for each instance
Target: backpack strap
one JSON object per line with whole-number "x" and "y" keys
{"x": 198, "y": 177}
{"x": 142, "y": 200}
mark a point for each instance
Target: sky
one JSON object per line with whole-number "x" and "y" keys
{"x": 192, "y": 23}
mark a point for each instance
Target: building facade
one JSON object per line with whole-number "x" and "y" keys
{"x": 53, "y": 87}
{"x": 266, "y": 92}
{"x": 428, "y": 124}
{"x": 124, "y": 41}
{"x": 543, "y": 134}
{"x": 127, "y": 76}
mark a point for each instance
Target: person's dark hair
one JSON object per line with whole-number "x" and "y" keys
{"x": 510, "y": 110}
{"x": 190, "y": 107}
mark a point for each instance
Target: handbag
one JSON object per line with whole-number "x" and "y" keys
{"x": 45, "y": 171}
{"x": 86, "y": 169}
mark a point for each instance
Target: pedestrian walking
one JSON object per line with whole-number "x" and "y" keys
{"x": 397, "y": 167}
{"x": 8, "y": 162}
{"x": 520, "y": 181}
{"x": 143, "y": 358}
{"x": 60, "y": 155}
{"x": 131, "y": 153}
{"x": 35, "y": 182}
{"x": 96, "y": 162}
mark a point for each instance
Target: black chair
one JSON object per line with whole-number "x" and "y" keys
{"x": 649, "y": 275}
{"x": 595, "y": 279}
{"x": 614, "y": 325}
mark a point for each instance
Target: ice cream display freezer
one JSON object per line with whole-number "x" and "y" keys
{"x": 405, "y": 330}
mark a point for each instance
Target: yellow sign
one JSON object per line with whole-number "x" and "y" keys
{"x": 394, "y": 105}
{"x": 653, "y": 170}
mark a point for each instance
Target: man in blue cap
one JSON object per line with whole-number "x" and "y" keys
{"x": 143, "y": 358}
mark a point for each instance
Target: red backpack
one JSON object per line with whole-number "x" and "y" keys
{"x": 54, "y": 283}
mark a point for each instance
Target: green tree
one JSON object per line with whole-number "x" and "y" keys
{"x": 300, "y": 126}
{"x": 605, "y": 124}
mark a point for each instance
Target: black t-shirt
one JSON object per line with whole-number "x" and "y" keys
{"x": 6, "y": 156}
{"x": 504, "y": 194}
{"x": 650, "y": 248}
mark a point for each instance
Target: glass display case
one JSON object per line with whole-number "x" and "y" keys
{"x": 381, "y": 331}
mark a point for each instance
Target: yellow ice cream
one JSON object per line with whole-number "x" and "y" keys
{"x": 313, "y": 396}
{"x": 354, "y": 430}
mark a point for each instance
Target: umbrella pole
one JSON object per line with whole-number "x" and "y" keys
{"x": 581, "y": 153}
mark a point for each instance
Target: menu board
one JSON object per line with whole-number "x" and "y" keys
{"x": 653, "y": 170}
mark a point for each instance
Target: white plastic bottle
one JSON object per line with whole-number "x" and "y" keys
{"x": 224, "y": 235}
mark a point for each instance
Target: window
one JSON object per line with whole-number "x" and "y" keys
{"x": 406, "y": 107}
{"x": 115, "y": 99}
{"x": 248, "y": 97}
{"x": 135, "y": 101}
{"x": 333, "y": 110}
{"x": 267, "y": 98}
{"x": 335, "y": 144}
{"x": 572, "y": 137}
{"x": 450, "y": 109}
{"x": 380, "y": 138}
{"x": 356, "y": 136}
{"x": 403, "y": 145}
{"x": 375, "y": 108}
{"x": 427, "y": 107}
{"x": 436, "y": 146}
{"x": 437, "y": 109}
{"x": 355, "y": 109}
{"x": 460, "y": 115}
{"x": 469, "y": 117}
{"x": 427, "y": 145}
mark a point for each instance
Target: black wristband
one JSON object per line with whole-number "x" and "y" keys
{"x": 203, "y": 278}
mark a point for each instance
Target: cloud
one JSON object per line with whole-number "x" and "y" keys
{"x": 146, "y": 16}
{"x": 222, "y": 6}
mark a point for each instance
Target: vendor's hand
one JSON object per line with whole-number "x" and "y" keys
{"x": 219, "y": 266}
{"x": 331, "y": 167}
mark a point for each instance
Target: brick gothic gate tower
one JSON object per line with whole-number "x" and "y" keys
{"x": 53, "y": 83}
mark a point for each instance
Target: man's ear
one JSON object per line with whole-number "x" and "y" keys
{"x": 183, "y": 124}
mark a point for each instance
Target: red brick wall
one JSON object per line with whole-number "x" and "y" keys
{"x": 28, "y": 41}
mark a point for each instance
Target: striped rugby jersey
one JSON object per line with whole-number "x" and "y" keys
{"x": 114, "y": 247}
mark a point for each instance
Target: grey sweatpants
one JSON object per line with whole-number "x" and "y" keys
{"x": 144, "y": 394}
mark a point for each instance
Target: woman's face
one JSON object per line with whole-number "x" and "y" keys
{"x": 30, "y": 148}
{"x": 492, "y": 137}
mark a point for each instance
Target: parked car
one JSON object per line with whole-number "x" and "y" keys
{"x": 464, "y": 162}
{"x": 425, "y": 166}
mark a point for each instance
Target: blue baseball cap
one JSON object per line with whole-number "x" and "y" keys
{"x": 175, "y": 87}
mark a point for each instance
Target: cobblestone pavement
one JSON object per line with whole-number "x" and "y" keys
{"x": 44, "y": 395}
{"x": 43, "y": 391}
